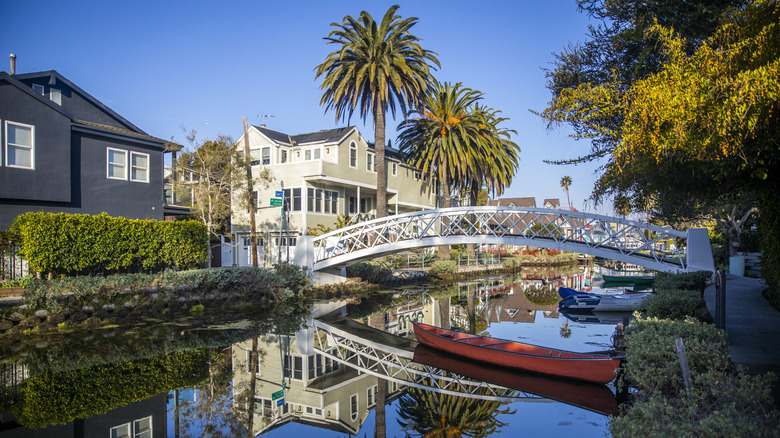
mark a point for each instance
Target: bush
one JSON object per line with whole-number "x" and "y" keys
{"x": 733, "y": 405}
{"x": 542, "y": 297}
{"x": 652, "y": 363}
{"x": 674, "y": 304}
{"x": 371, "y": 271}
{"x": 685, "y": 280}
{"x": 78, "y": 244}
{"x": 444, "y": 269}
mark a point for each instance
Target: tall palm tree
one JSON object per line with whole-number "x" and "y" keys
{"x": 376, "y": 66}
{"x": 565, "y": 184}
{"x": 441, "y": 137}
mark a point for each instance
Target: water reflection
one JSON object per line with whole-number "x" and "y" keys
{"x": 285, "y": 371}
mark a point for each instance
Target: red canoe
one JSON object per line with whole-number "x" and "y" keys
{"x": 597, "y": 368}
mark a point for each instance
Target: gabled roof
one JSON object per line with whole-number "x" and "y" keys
{"x": 54, "y": 74}
{"x": 517, "y": 202}
{"x": 274, "y": 135}
{"x": 555, "y": 202}
{"x": 324, "y": 136}
{"x": 115, "y": 130}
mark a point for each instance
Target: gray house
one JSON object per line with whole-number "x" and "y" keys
{"x": 65, "y": 151}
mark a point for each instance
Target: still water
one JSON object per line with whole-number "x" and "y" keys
{"x": 319, "y": 370}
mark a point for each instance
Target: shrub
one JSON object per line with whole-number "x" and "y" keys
{"x": 371, "y": 271}
{"x": 732, "y": 405}
{"x": 652, "y": 363}
{"x": 542, "y": 297}
{"x": 673, "y": 304}
{"x": 73, "y": 244}
{"x": 685, "y": 280}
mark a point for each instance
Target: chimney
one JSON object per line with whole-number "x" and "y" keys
{"x": 262, "y": 125}
{"x": 13, "y": 64}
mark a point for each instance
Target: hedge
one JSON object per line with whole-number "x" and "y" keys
{"x": 73, "y": 244}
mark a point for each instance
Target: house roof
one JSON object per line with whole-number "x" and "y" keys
{"x": 25, "y": 88}
{"x": 54, "y": 74}
{"x": 517, "y": 202}
{"x": 324, "y": 136}
{"x": 115, "y": 130}
{"x": 555, "y": 202}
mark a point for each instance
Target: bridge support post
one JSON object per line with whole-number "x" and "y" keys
{"x": 699, "y": 251}
{"x": 304, "y": 257}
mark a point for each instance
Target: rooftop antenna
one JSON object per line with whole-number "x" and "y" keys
{"x": 264, "y": 116}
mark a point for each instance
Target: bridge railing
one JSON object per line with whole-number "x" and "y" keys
{"x": 549, "y": 228}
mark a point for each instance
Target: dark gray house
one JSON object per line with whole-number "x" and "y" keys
{"x": 65, "y": 151}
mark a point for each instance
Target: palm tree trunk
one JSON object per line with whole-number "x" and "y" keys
{"x": 379, "y": 147}
{"x": 380, "y": 431}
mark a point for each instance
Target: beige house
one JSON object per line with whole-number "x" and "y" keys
{"x": 320, "y": 176}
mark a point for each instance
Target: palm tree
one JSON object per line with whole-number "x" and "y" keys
{"x": 497, "y": 155}
{"x": 565, "y": 184}
{"x": 376, "y": 66}
{"x": 441, "y": 137}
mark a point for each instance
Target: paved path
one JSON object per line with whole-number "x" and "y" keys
{"x": 753, "y": 326}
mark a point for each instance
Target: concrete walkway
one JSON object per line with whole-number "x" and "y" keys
{"x": 752, "y": 325}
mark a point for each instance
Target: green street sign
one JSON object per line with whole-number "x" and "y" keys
{"x": 277, "y": 395}
{"x": 276, "y": 202}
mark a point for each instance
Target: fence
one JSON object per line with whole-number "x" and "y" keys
{"x": 479, "y": 259}
{"x": 12, "y": 266}
{"x": 409, "y": 261}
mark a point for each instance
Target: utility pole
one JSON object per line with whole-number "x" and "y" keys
{"x": 250, "y": 190}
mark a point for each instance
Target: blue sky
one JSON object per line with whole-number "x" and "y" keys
{"x": 205, "y": 65}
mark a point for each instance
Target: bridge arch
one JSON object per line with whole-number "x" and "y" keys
{"x": 624, "y": 240}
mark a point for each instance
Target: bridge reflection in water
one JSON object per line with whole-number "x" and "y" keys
{"x": 332, "y": 370}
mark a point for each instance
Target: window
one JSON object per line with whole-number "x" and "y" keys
{"x": 293, "y": 367}
{"x": 141, "y": 428}
{"x": 371, "y": 395}
{"x": 331, "y": 202}
{"x": 19, "y": 145}
{"x": 38, "y": 88}
{"x": 292, "y": 199}
{"x": 352, "y": 205}
{"x": 249, "y": 362}
{"x": 394, "y": 167}
{"x": 318, "y": 200}
{"x": 139, "y": 167}
{"x": 56, "y": 96}
{"x": 266, "y": 156}
{"x": 307, "y": 155}
{"x": 317, "y": 153}
{"x": 353, "y": 155}
{"x": 353, "y": 406}
{"x": 117, "y": 164}
{"x": 283, "y": 156}
{"x": 417, "y": 175}
{"x": 370, "y": 162}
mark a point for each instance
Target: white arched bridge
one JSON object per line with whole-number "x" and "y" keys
{"x": 650, "y": 246}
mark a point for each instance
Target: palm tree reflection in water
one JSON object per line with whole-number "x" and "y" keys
{"x": 430, "y": 414}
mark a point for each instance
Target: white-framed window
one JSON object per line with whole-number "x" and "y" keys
{"x": 370, "y": 162}
{"x": 116, "y": 163}
{"x": 19, "y": 145}
{"x": 266, "y": 156}
{"x": 139, "y": 167}
{"x": 394, "y": 168}
{"x": 38, "y": 88}
{"x": 283, "y": 156}
{"x": 317, "y": 153}
{"x": 140, "y": 428}
{"x": 249, "y": 362}
{"x": 353, "y": 406}
{"x": 417, "y": 175}
{"x": 56, "y": 96}
{"x": 353, "y": 155}
{"x": 293, "y": 367}
{"x": 331, "y": 202}
{"x": 292, "y": 199}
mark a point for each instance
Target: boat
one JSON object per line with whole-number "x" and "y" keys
{"x": 611, "y": 318}
{"x": 566, "y": 291}
{"x": 604, "y": 303}
{"x": 629, "y": 279}
{"x": 597, "y": 368}
{"x": 586, "y": 395}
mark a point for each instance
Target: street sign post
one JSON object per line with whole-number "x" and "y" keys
{"x": 276, "y": 202}
{"x": 279, "y": 194}
{"x": 277, "y": 395}
{"x": 280, "y": 402}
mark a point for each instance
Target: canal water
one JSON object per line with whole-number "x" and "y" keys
{"x": 317, "y": 370}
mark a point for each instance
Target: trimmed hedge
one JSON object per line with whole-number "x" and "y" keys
{"x": 684, "y": 280}
{"x": 674, "y": 304}
{"x": 370, "y": 271}
{"x": 73, "y": 244}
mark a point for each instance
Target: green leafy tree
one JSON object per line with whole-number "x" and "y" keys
{"x": 619, "y": 51}
{"x": 497, "y": 155}
{"x": 376, "y": 66}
